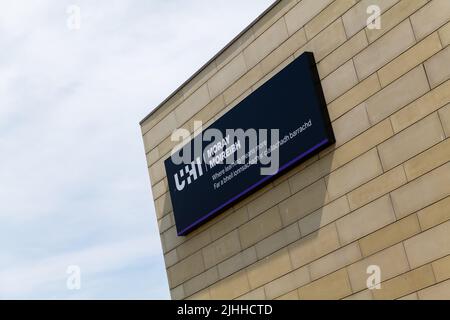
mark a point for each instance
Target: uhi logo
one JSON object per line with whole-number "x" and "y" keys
{"x": 189, "y": 173}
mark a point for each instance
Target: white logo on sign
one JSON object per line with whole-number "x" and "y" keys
{"x": 189, "y": 174}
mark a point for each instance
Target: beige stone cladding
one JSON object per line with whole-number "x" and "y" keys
{"x": 379, "y": 196}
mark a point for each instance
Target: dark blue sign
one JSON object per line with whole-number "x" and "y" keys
{"x": 282, "y": 123}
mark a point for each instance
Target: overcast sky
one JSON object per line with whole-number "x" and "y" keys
{"x": 74, "y": 187}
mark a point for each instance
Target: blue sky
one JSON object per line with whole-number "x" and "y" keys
{"x": 74, "y": 188}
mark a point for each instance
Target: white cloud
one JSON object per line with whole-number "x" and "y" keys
{"x": 21, "y": 280}
{"x": 73, "y": 178}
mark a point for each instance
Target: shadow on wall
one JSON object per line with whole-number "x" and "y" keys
{"x": 303, "y": 203}
{"x": 310, "y": 205}
{"x": 299, "y": 178}
{"x": 285, "y": 213}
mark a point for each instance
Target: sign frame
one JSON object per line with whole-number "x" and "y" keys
{"x": 312, "y": 92}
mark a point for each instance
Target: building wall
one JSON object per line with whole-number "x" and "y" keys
{"x": 379, "y": 196}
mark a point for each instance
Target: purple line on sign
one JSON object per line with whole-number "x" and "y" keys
{"x": 288, "y": 164}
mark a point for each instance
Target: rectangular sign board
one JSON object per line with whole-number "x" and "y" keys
{"x": 282, "y": 123}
